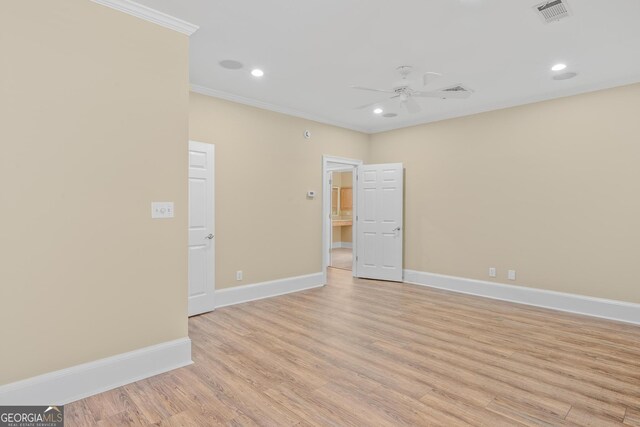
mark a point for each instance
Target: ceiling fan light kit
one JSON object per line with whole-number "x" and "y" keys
{"x": 405, "y": 90}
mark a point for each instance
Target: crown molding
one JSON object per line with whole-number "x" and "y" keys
{"x": 577, "y": 90}
{"x": 151, "y": 15}
{"x": 202, "y": 90}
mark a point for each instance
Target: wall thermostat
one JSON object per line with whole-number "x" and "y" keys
{"x": 307, "y": 134}
{"x": 311, "y": 194}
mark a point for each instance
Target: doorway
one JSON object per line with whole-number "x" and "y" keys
{"x": 339, "y": 213}
{"x": 377, "y": 210}
{"x": 341, "y": 217}
{"x": 201, "y": 228}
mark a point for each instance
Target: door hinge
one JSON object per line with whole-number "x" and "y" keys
{"x": 356, "y": 257}
{"x": 356, "y": 217}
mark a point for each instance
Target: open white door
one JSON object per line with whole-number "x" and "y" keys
{"x": 379, "y": 221}
{"x": 201, "y": 228}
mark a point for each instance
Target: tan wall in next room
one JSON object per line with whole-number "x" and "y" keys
{"x": 343, "y": 233}
{"x": 265, "y": 225}
{"x": 94, "y": 107}
{"x": 336, "y": 235}
{"x": 550, "y": 190}
{"x": 346, "y": 234}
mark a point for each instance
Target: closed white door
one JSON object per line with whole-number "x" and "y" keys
{"x": 201, "y": 228}
{"x": 379, "y": 221}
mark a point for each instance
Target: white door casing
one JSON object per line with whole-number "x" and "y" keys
{"x": 201, "y": 228}
{"x": 380, "y": 221}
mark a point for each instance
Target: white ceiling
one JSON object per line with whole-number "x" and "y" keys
{"x": 313, "y": 50}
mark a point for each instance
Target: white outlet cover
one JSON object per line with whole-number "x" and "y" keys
{"x": 511, "y": 275}
{"x": 492, "y": 272}
{"x": 162, "y": 210}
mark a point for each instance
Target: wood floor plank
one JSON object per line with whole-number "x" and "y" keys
{"x": 78, "y": 414}
{"x": 587, "y": 418}
{"x": 362, "y": 352}
{"x": 110, "y": 403}
{"x": 127, "y": 418}
{"x": 632, "y": 417}
{"x": 313, "y": 408}
{"x": 524, "y": 413}
{"x": 503, "y": 386}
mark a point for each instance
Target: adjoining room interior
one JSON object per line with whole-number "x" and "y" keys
{"x": 342, "y": 219}
{"x": 400, "y": 224}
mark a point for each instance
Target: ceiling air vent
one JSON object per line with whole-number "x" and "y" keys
{"x": 552, "y": 11}
{"x": 456, "y": 88}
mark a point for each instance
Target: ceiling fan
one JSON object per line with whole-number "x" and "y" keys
{"x": 404, "y": 90}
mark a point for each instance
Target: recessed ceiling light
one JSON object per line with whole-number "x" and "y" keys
{"x": 230, "y": 64}
{"x": 377, "y": 111}
{"x": 558, "y": 67}
{"x": 257, "y": 72}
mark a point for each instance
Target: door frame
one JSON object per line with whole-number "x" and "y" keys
{"x": 209, "y": 303}
{"x": 326, "y": 209}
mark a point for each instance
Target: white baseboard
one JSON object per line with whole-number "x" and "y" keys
{"x": 240, "y": 294}
{"x": 337, "y": 245}
{"x": 77, "y": 382}
{"x": 202, "y": 304}
{"x": 572, "y": 303}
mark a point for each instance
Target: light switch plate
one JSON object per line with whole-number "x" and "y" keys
{"x": 161, "y": 209}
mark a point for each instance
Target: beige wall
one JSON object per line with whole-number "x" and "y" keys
{"x": 549, "y": 189}
{"x": 336, "y": 179}
{"x": 95, "y": 122}
{"x": 346, "y": 234}
{"x": 336, "y": 234}
{"x": 265, "y": 225}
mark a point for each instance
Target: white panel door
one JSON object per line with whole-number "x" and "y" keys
{"x": 379, "y": 221}
{"x": 201, "y": 228}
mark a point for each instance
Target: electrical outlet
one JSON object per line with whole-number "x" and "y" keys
{"x": 492, "y": 272}
{"x": 511, "y": 275}
{"x": 239, "y": 275}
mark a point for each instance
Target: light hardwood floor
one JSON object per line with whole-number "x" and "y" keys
{"x": 342, "y": 258}
{"x": 367, "y": 353}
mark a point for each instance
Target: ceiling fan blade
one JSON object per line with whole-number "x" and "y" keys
{"x": 430, "y": 77}
{"x": 412, "y": 105}
{"x": 443, "y": 94}
{"x": 362, "y": 107}
{"x": 372, "y": 90}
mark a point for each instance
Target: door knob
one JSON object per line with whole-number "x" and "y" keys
{"x": 210, "y": 236}
{"x": 397, "y": 228}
